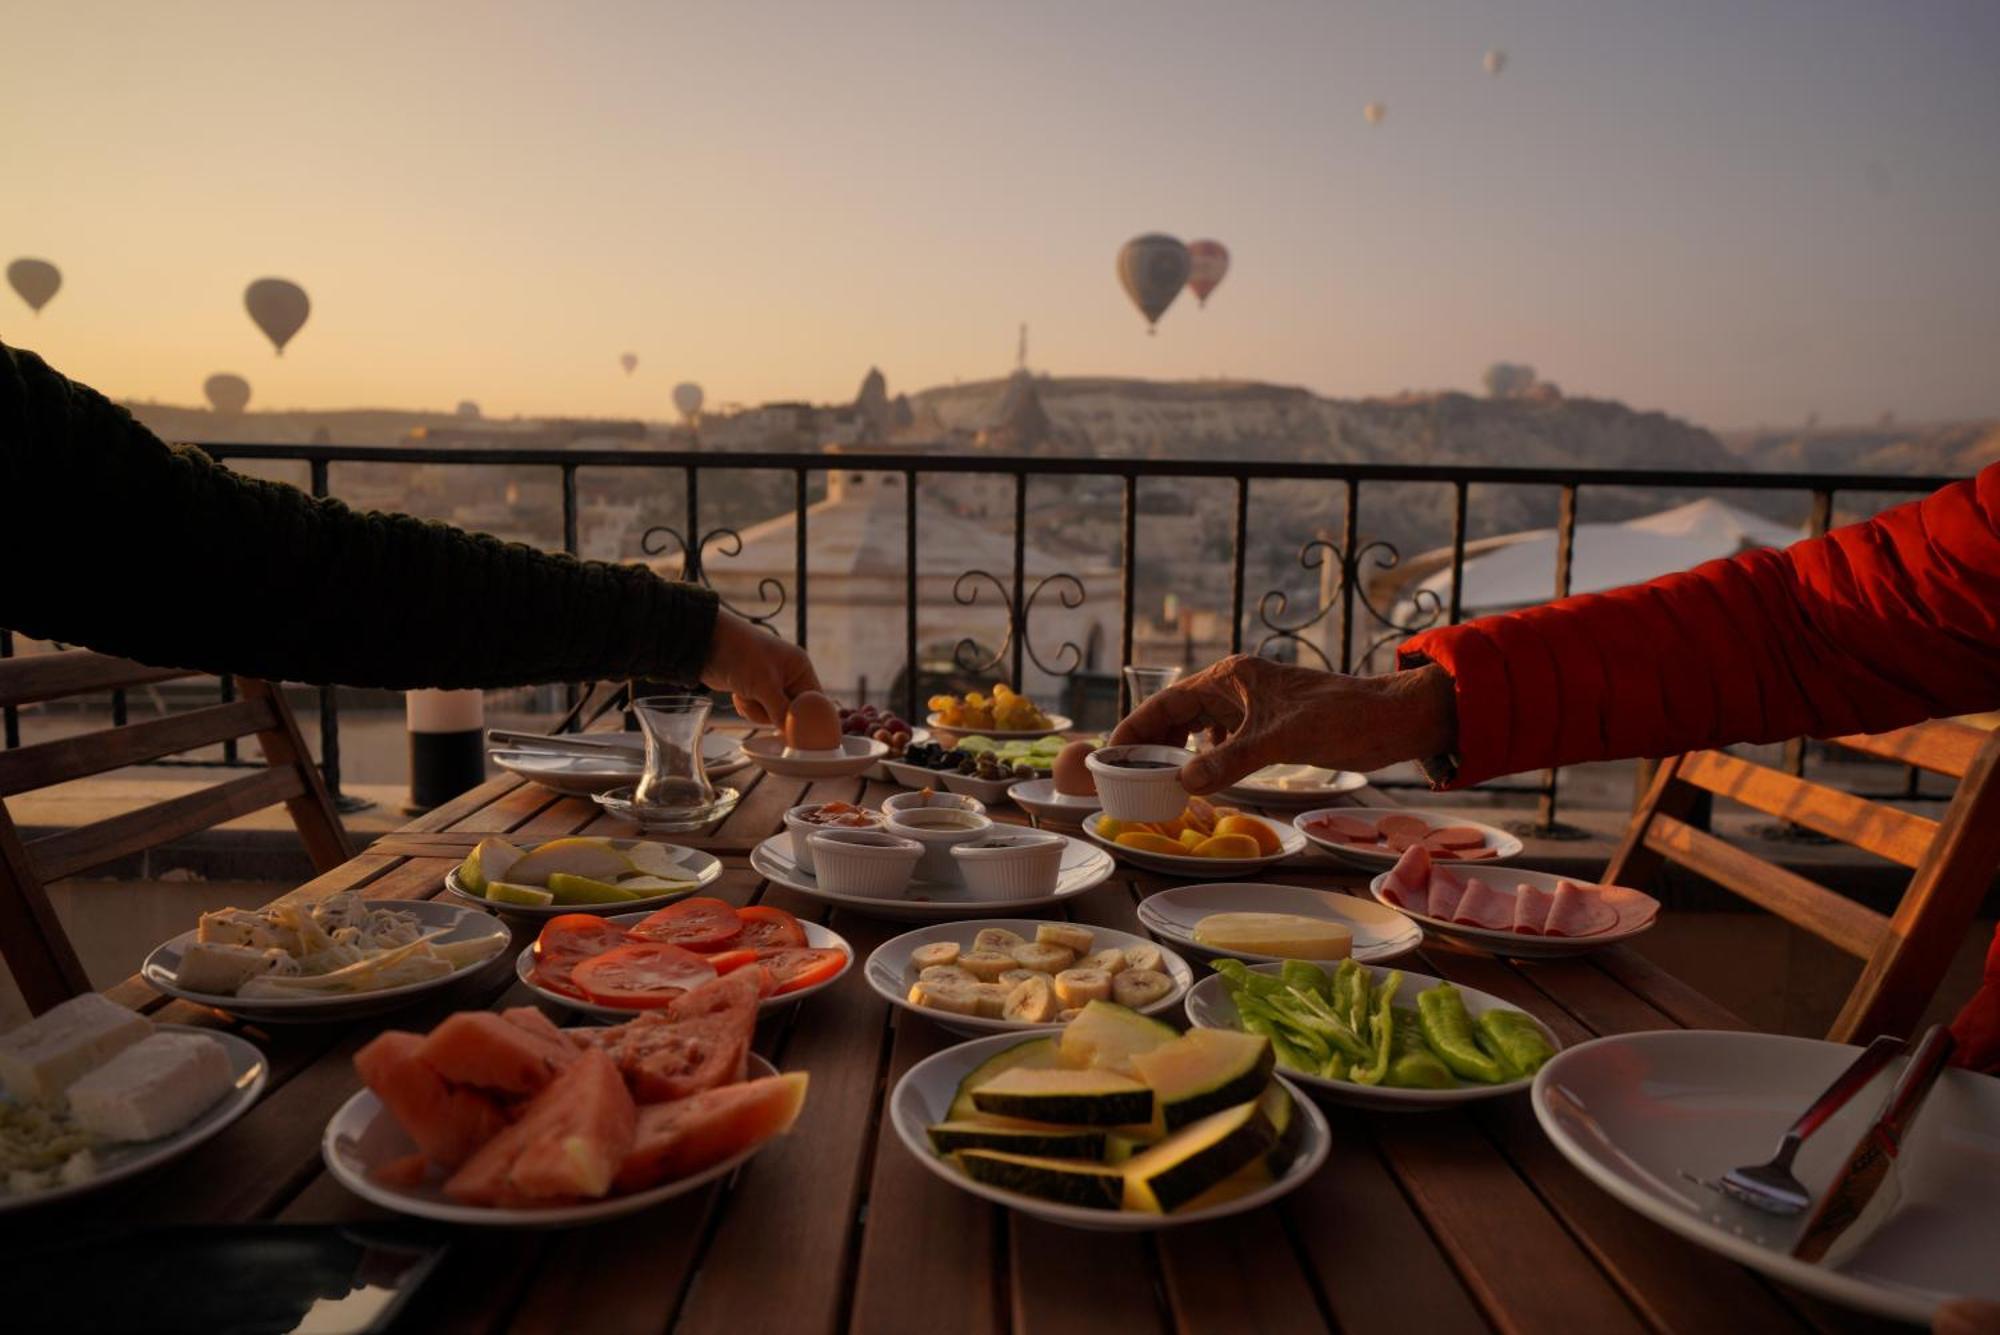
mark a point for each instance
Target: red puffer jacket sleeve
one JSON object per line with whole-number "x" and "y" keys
{"x": 1875, "y": 626}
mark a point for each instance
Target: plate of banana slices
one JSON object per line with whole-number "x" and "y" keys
{"x": 1007, "y": 974}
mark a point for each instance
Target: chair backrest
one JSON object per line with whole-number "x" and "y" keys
{"x": 1952, "y": 859}
{"x": 44, "y": 963}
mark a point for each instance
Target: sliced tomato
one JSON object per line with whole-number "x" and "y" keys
{"x": 641, "y": 975}
{"x": 557, "y": 974}
{"x": 578, "y": 934}
{"x": 729, "y": 961}
{"x": 692, "y": 924}
{"x": 792, "y": 969}
{"x": 768, "y": 928}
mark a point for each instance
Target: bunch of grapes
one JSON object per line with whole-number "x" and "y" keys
{"x": 881, "y": 724}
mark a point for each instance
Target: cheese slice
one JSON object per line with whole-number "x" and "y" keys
{"x": 220, "y": 970}
{"x": 153, "y": 1088}
{"x": 1284, "y": 934}
{"x": 40, "y": 1059}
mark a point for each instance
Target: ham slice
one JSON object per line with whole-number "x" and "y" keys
{"x": 1483, "y": 906}
{"x": 1408, "y": 883}
{"x": 1412, "y": 828}
{"x": 1351, "y": 829}
{"x": 1579, "y": 910}
{"x": 1457, "y": 836}
{"x": 1447, "y": 888}
{"x": 1531, "y": 908}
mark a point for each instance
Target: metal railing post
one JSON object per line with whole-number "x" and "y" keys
{"x": 329, "y": 704}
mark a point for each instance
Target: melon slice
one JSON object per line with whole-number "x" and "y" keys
{"x": 1199, "y": 1157}
{"x": 1036, "y": 1053}
{"x": 568, "y": 1144}
{"x": 1204, "y": 1071}
{"x": 594, "y": 858}
{"x": 448, "y": 1124}
{"x": 480, "y": 1049}
{"x": 1063, "y": 1095}
{"x": 1106, "y": 1035}
{"x": 490, "y": 861}
{"x": 1096, "y": 1186}
{"x": 680, "y": 1139}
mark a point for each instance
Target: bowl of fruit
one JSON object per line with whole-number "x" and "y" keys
{"x": 1002, "y": 715}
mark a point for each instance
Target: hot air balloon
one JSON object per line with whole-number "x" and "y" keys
{"x": 1375, "y": 111}
{"x": 279, "y": 307}
{"x": 1496, "y": 60}
{"x": 687, "y": 398}
{"x": 630, "y": 361}
{"x": 468, "y": 409}
{"x": 1154, "y": 269}
{"x": 35, "y": 280}
{"x": 1209, "y": 261}
{"x": 227, "y": 394}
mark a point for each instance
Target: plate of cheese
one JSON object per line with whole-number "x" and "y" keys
{"x": 1248, "y": 920}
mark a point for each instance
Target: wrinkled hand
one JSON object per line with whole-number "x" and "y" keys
{"x": 762, "y": 673}
{"x": 1260, "y": 713}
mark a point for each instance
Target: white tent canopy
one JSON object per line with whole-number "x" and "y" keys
{"x": 1521, "y": 572}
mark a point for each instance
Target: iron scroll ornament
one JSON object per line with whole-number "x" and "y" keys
{"x": 965, "y": 592}
{"x": 728, "y": 542}
{"x": 1428, "y": 606}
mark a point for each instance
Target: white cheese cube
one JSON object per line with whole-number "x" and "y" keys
{"x": 40, "y": 1059}
{"x": 153, "y": 1088}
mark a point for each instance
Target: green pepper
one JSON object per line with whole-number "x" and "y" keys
{"x": 1383, "y": 1032}
{"x": 1516, "y": 1041}
{"x": 1335, "y": 1068}
{"x": 1304, "y": 976}
{"x": 1309, "y": 1010}
{"x": 1310, "y": 1043}
{"x": 1350, "y": 995}
{"x": 1287, "y": 1055}
{"x": 1418, "y": 1070}
{"x": 1448, "y": 1029}
{"x": 1241, "y": 977}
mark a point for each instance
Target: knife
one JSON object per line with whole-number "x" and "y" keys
{"x": 1866, "y": 1191}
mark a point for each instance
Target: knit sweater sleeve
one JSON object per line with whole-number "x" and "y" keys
{"x": 112, "y": 539}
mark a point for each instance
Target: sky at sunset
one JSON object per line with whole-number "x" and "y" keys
{"x": 1736, "y": 212}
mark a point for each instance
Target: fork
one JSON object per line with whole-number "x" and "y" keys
{"x": 1770, "y": 1186}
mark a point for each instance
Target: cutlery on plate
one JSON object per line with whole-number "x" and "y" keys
{"x": 1771, "y": 1186}
{"x": 1866, "y": 1191}
{"x": 560, "y": 741}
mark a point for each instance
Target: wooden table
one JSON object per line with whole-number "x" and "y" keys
{"x": 1419, "y": 1223}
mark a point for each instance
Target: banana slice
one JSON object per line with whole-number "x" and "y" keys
{"x": 985, "y": 965}
{"x": 1145, "y": 955}
{"x": 1032, "y": 1001}
{"x": 1043, "y": 959}
{"x": 947, "y": 994}
{"x": 1013, "y": 976}
{"x": 997, "y": 938}
{"x": 1140, "y": 987}
{"x": 1111, "y": 959}
{"x": 992, "y": 999}
{"x": 1077, "y": 986}
{"x": 939, "y": 971}
{"x": 937, "y": 952}
{"x": 1068, "y": 1013}
{"x": 1065, "y": 934}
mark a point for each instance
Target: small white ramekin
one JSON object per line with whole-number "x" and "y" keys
{"x": 938, "y": 840}
{"x": 1015, "y": 865}
{"x": 870, "y": 863}
{"x": 1139, "y": 794}
{"x": 931, "y": 799}
{"x": 802, "y": 829}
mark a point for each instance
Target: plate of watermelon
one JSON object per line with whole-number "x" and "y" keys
{"x": 501, "y": 1118}
{"x": 617, "y": 967}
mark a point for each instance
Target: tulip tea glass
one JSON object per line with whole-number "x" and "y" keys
{"x": 1141, "y": 682}
{"x": 675, "y": 780}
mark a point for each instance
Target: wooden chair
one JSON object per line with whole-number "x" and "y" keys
{"x": 1952, "y": 860}
{"x": 44, "y": 963}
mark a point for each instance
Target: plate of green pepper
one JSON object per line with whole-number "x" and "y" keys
{"x": 1376, "y": 1036}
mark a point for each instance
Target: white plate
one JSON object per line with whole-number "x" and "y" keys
{"x": 923, "y": 1097}
{"x": 1637, "y": 912}
{"x": 1380, "y": 932}
{"x": 460, "y": 924}
{"x": 1370, "y": 859}
{"x": 879, "y": 771}
{"x": 1039, "y": 798}
{"x": 817, "y": 937}
{"x": 1082, "y": 868}
{"x": 362, "y": 1137}
{"x": 120, "y": 1161}
{"x": 950, "y": 736}
{"x": 582, "y": 774}
{"x": 1290, "y": 842}
{"x": 889, "y": 972}
{"x": 1637, "y": 1111}
{"x": 914, "y": 776}
{"x": 703, "y": 867}
{"x": 1262, "y": 788}
{"x": 1209, "y": 1007}
{"x": 855, "y": 756}
{"x": 990, "y": 791}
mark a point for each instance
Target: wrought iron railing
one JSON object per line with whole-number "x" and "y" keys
{"x": 1359, "y": 624}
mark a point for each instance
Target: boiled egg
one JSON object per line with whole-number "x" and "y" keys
{"x": 812, "y": 724}
{"x": 1073, "y": 777}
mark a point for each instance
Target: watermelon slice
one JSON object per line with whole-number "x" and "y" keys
{"x": 448, "y": 1124}
{"x": 568, "y": 1145}
{"x": 680, "y": 1139}
{"x": 481, "y": 1049}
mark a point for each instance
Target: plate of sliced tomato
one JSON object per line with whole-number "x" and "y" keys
{"x": 615, "y": 967}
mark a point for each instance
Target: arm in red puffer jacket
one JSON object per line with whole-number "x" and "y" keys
{"x": 1875, "y": 626}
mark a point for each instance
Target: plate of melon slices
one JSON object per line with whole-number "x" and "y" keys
{"x": 578, "y": 874}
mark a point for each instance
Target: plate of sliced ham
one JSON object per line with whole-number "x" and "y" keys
{"x": 1374, "y": 837}
{"x": 1527, "y": 914}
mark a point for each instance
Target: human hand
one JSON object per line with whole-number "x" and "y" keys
{"x": 1260, "y": 713}
{"x": 762, "y": 673}
{"x": 1967, "y": 1316}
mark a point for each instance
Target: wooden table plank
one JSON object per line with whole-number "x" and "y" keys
{"x": 1067, "y": 1281}
{"x": 1238, "y": 1274}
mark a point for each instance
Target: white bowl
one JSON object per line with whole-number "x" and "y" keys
{"x": 924, "y": 1095}
{"x": 801, "y": 830}
{"x": 928, "y": 828}
{"x": 1503, "y": 844}
{"x": 853, "y": 756}
{"x": 864, "y": 862}
{"x": 1084, "y": 868}
{"x": 1147, "y": 795}
{"x": 1011, "y": 864}
{"x": 932, "y": 798}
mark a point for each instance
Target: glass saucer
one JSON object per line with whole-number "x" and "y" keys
{"x": 620, "y": 804}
